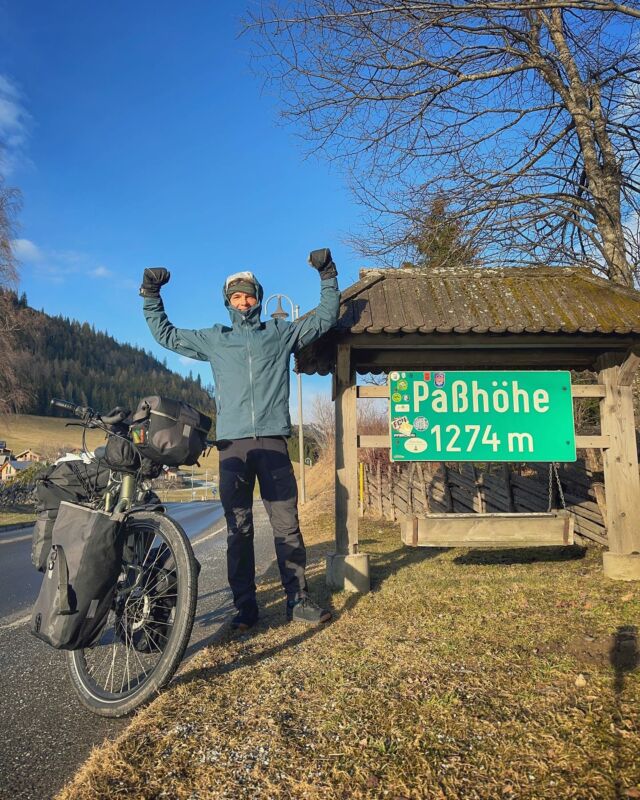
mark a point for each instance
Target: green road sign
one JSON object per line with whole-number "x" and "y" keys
{"x": 481, "y": 416}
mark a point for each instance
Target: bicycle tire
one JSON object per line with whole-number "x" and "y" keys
{"x": 119, "y": 703}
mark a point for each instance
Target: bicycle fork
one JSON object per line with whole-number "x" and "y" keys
{"x": 126, "y": 495}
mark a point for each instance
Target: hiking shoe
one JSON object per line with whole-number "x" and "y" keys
{"x": 301, "y": 608}
{"x": 245, "y": 618}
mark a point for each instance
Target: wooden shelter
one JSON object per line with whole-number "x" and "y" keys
{"x": 482, "y": 319}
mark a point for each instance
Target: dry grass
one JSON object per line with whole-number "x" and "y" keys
{"x": 43, "y": 434}
{"x": 19, "y": 516}
{"x": 454, "y": 678}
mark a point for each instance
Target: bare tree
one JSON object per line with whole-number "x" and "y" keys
{"x": 523, "y": 115}
{"x": 13, "y": 393}
{"x": 324, "y": 422}
{"x": 373, "y": 420}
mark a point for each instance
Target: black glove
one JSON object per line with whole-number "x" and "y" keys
{"x": 152, "y": 280}
{"x": 322, "y": 261}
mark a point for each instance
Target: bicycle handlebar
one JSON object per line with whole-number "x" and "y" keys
{"x": 114, "y": 419}
{"x": 88, "y": 414}
{"x": 64, "y": 404}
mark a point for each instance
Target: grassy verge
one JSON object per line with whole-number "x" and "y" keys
{"x": 17, "y": 516}
{"x": 461, "y": 675}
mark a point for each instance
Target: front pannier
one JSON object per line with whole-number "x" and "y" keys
{"x": 41, "y": 537}
{"x": 73, "y": 481}
{"x": 80, "y": 578}
{"x": 169, "y": 432}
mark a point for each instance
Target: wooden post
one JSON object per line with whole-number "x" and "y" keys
{"x": 346, "y": 455}
{"x": 411, "y": 507}
{"x": 505, "y": 474}
{"x": 447, "y": 487}
{"x": 622, "y": 483}
{"x": 379, "y": 487}
{"x": 423, "y": 487}
{"x": 346, "y": 568}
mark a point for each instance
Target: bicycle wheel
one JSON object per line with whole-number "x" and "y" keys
{"x": 149, "y": 624}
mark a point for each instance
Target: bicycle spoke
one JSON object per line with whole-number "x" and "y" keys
{"x": 111, "y": 668}
{"x": 126, "y": 670}
{"x": 161, "y": 548}
{"x": 104, "y": 659}
{"x": 165, "y": 575}
{"x": 154, "y": 631}
{"x": 137, "y": 655}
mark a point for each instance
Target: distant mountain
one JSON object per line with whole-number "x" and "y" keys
{"x": 70, "y": 359}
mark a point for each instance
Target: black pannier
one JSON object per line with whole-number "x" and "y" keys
{"x": 41, "y": 537}
{"x": 80, "y": 580}
{"x": 73, "y": 481}
{"x": 169, "y": 432}
{"x": 121, "y": 455}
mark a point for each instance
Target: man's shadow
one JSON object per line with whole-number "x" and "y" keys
{"x": 624, "y": 657}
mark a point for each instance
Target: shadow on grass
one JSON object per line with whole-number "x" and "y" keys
{"x": 625, "y": 658}
{"x": 385, "y": 565}
{"x": 520, "y": 555}
{"x": 271, "y": 601}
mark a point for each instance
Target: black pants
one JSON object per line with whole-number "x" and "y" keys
{"x": 266, "y": 458}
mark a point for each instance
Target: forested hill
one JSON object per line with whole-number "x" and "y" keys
{"x": 69, "y": 359}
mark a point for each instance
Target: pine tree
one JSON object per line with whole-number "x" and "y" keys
{"x": 439, "y": 240}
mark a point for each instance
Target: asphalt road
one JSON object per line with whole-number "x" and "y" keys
{"x": 45, "y": 734}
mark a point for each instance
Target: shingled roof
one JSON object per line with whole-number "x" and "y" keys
{"x": 570, "y": 301}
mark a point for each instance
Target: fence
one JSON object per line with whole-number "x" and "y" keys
{"x": 401, "y": 490}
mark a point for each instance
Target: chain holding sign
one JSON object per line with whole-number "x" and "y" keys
{"x": 481, "y": 416}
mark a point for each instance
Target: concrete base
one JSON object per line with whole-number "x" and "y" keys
{"x": 621, "y": 566}
{"x": 349, "y": 573}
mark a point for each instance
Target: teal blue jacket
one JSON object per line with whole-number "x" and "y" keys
{"x": 249, "y": 359}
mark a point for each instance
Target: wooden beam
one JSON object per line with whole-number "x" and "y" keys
{"x": 491, "y": 341}
{"x": 596, "y": 442}
{"x": 368, "y": 440}
{"x": 629, "y": 367}
{"x": 587, "y": 390}
{"x": 622, "y": 483}
{"x": 373, "y": 391}
{"x": 489, "y": 530}
{"x": 346, "y": 500}
{"x": 424, "y": 358}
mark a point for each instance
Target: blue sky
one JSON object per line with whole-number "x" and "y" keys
{"x": 140, "y": 134}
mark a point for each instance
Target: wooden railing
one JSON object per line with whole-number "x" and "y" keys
{"x": 402, "y": 490}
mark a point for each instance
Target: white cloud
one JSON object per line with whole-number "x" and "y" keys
{"x": 101, "y": 272}
{"x": 14, "y": 121}
{"x": 186, "y": 360}
{"x": 58, "y": 265}
{"x": 26, "y": 251}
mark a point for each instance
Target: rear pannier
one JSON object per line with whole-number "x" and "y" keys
{"x": 81, "y": 573}
{"x": 169, "y": 432}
